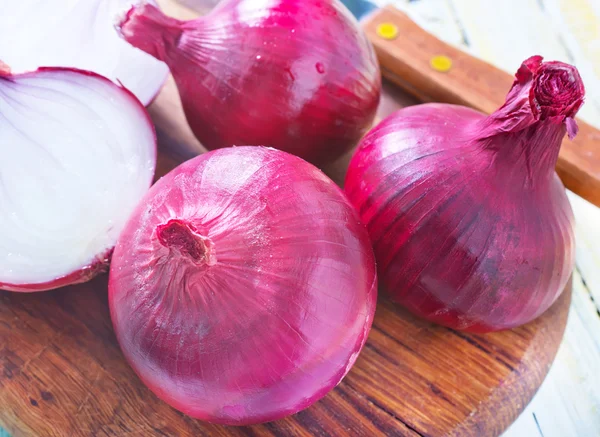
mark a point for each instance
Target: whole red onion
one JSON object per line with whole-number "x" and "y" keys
{"x": 243, "y": 287}
{"x": 297, "y": 75}
{"x": 470, "y": 224}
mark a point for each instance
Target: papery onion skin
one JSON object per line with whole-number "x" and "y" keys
{"x": 470, "y": 224}
{"x": 243, "y": 287}
{"x": 78, "y": 34}
{"x": 297, "y": 75}
{"x": 44, "y": 81}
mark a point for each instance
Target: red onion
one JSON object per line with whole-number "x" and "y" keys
{"x": 243, "y": 287}
{"x": 80, "y": 34}
{"x": 77, "y": 154}
{"x": 470, "y": 224}
{"x": 297, "y": 75}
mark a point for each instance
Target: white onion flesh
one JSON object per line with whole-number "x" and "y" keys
{"x": 79, "y": 34}
{"x": 77, "y": 152}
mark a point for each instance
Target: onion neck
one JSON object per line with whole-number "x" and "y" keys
{"x": 183, "y": 239}
{"x": 538, "y": 112}
{"x": 147, "y": 28}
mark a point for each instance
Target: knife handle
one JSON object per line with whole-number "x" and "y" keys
{"x": 406, "y": 60}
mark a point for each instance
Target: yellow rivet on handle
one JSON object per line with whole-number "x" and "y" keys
{"x": 441, "y": 63}
{"x": 387, "y": 31}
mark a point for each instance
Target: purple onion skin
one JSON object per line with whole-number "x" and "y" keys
{"x": 297, "y": 75}
{"x": 470, "y": 224}
{"x": 243, "y": 287}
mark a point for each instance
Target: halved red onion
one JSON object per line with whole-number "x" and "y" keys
{"x": 243, "y": 287}
{"x": 77, "y": 152}
{"x": 79, "y": 34}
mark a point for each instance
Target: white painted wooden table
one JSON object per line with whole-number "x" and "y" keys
{"x": 505, "y": 32}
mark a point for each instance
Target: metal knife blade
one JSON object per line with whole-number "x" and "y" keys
{"x": 360, "y": 8}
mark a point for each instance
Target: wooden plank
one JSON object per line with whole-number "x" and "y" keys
{"x": 436, "y": 17}
{"x": 486, "y": 24}
{"x": 505, "y": 33}
{"x": 577, "y": 23}
{"x": 568, "y": 403}
{"x": 587, "y": 234}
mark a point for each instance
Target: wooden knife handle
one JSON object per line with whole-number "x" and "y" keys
{"x": 406, "y": 61}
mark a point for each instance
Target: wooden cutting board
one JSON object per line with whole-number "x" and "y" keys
{"x": 62, "y": 372}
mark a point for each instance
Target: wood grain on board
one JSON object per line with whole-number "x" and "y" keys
{"x": 474, "y": 83}
{"x": 62, "y": 372}
{"x": 504, "y": 33}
